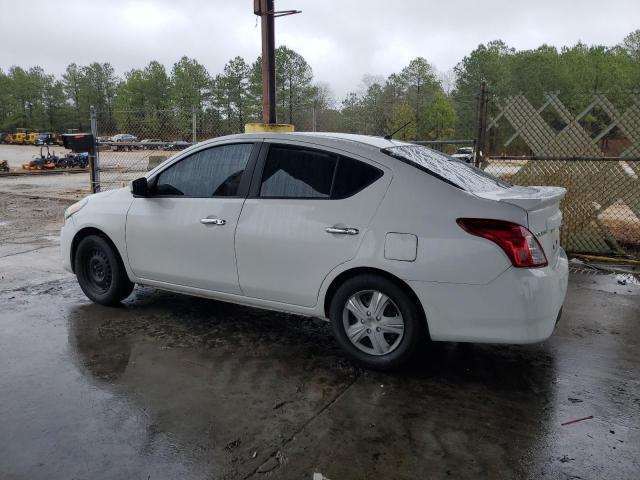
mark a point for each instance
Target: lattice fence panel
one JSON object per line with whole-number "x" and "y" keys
{"x": 602, "y": 206}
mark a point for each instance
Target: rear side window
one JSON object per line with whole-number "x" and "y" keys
{"x": 214, "y": 172}
{"x": 453, "y": 171}
{"x": 298, "y": 173}
{"x": 294, "y": 172}
{"x": 352, "y": 176}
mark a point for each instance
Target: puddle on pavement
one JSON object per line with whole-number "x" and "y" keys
{"x": 178, "y": 387}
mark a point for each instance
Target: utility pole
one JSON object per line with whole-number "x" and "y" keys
{"x": 266, "y": 10}
{"x": 268, "y": 64}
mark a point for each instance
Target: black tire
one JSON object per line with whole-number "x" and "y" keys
{"x": 100, "y": 271}
{"x": 414, "y": 334}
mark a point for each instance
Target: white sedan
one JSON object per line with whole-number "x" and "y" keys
{"x": 394, "y": 243}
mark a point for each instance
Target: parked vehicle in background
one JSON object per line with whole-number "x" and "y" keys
{"x": 151, "y": 141}
{"x": 42, "y": 161}
{"x": 464, "y": 153}
{"x": 178, "y": 145}
{"x": 124, "y": 138}
{"x": 22, "y": 136}
{"x": 74, "y": 160}
{"x": 57, "y": 139}
{"x": 44, "y": 138}
{"x": 3, "y": 137}
{"x": 30, "y": 137}
{"x": 393, "y": 242}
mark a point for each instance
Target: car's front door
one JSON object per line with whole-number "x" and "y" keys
{"x": 307, "y": 212}
{"x": 183, "y": 233}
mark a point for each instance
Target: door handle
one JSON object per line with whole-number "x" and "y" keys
{"x": 342, "y": 230}
{"x": 212, "y": 221}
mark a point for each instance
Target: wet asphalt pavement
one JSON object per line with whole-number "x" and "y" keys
{"x": 169, "y": 386}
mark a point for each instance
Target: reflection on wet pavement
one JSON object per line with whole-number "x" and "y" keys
{"x": 170, "y": 386}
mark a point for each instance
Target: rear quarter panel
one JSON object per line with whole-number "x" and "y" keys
{"x": 420, "y": 204}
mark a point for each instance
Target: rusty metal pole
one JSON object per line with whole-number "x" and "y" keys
{"x": 266, "y": 10}
{"x": 94, "y": 165}
{"x": 268, "y": 64}
{"x": 481, "y": 124}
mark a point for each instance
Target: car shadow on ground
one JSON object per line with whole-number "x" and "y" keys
{"x": 208, "y": 325}
{"x": 211, "y": 372}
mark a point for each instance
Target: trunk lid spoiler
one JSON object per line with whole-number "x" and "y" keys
{"x": 529, "y": 198}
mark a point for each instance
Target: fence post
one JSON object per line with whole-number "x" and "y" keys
{"x": 93, "y": 153}
{"x": 194, "y": 124}
{"x": 314, "y": 116}
{"x": 481, "y": 124}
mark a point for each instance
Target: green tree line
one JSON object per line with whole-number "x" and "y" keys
{"x": 418, "y": 101}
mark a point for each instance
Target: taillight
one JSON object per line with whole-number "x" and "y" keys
{"x": 520, "y": 245}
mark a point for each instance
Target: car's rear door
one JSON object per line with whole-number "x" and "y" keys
{"x": 183, "y": 234}
{"x": 307, "y": 212}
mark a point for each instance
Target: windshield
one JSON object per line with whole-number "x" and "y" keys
{"x": 456, "y": 172}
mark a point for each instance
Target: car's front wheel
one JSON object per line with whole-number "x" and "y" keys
{"x": 100, "y": 272}
{"x": 376, "y": 322}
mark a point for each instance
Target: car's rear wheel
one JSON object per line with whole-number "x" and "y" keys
{"x": 376, "y": 322}
{"x": 100, "y": 271}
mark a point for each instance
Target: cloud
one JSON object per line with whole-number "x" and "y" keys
{"x": 342, "y": 40}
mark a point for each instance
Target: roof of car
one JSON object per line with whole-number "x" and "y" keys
{"x": 346, "y": 141}
{"x": 379, "y": 142}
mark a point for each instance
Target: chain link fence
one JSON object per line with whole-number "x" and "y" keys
{"x": 589, "y": 144}
{"x": 130, "y": 143}
{"x": 601, "y": 210}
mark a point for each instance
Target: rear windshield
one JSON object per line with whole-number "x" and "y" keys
{"x": 452, "y": 170}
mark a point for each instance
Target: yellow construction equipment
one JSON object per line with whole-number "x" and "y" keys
{"x": 31, "y": 138}
{"x": 22, "y": 136}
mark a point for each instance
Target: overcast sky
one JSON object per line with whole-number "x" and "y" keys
{"x": 341, "y": 39}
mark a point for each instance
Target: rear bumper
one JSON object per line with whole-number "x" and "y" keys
{"x": 520, "y": 306}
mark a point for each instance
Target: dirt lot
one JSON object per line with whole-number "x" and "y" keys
{"x": 169, "y": 386}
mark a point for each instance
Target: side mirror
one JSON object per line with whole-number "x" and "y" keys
{"x": 140, "y": 187}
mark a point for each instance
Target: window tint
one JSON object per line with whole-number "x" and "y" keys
{"x": 214, "y": 172}
{"x": 352, "y": 176}
{"x": 297, "y": 173}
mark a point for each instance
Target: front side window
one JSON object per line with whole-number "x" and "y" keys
{"x": 214, "y": 172}
{"x": 295, "y": 172}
